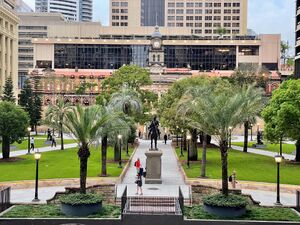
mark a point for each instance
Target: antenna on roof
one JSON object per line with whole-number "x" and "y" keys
{"x": 156, "y": 20}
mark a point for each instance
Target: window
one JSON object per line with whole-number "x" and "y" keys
{"x": 235, "y": 24}
{"x": 197, "y": 31}
{"x": 227, "y": 11}
{"x": 217, "y": 17}
{"x": 179, "y": 18}
{"x": 217, "y": 24}
{"x": 124, "y": 24}
{"x": 198, "y": 24}
{"x": 179, "y": 24}
{"x": 179, "y": 11}
{"x": 208, "y": 18}
{"x": 115, "y": 3}
{"x": 217, "y": 4}
{"x": 189, "y": 18}
{"x": 198, "y": 11}
{"x": 235, "y": 18}
{"x": 227, "y": 24}
{"x": 179, "y": 4}
{"x": 236, "y": 4}
{"x": 171, "y": 24}
{"x": 115, "y": 17}
{"x": 208, "y": 31}
{"x": 227, "y": 4}
{"x": 154, "y": 58}
{"x": 198, "y": 4}
{"x": 124, "y": 10}
{"x": 217, "y": 11}
{"x": 208, "y": 4}
{"x": 171, "y": 4}
{"x": 227, "y": 17}
{"x": 208, "y": 11}
{"x": 124, "y": 4}
{"x": 235, "y": 11}
{"x": 171, "y": 18}
{"x": 115, "y": 24}
{"x": 189, "y": 24}
{"x": 171, "y": 11}
{"x": 115, "y": 11}
{"x": 189, "y": 11}
{"x": 198, "y": 18}
{"x": 189, "y": 4}
{"x": 158, "y": 58}
{"x": 208, "y": 24}
{"x": 124, "y": 17}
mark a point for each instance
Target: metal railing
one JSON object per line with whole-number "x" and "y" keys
{"x": 4, "y": 198}
{"x": 298, "y": 201}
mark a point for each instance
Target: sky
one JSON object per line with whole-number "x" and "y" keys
{"x": 264, "y": 16}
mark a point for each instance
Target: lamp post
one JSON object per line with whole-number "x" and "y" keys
{"x": 188, "y": 137}
{"x": 278, "y": 160}
{"x": 230, "y": 132}
{"x": 37, "y": 157}
{"x": 251, "y": 125}
{"x": 120, "y": 150}
{"x": 280, "y": 144}
{"x": 176, "y": 136}
{"x": 181, "y": 144}
{"x": 28, "y": 129}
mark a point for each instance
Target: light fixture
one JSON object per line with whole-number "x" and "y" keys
{"x": 189, "y": 137}
{"x": 37, "y": 156}
{"x": 119, "y": 136}
{"x": 28, "y": 129}
{"x": 278, "y": 158}
{"x": 230, "y": 128}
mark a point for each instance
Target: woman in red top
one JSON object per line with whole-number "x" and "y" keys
{"x": 137, "y": 165}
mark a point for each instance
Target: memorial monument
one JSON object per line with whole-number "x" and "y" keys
{"x": 153, "y": 161}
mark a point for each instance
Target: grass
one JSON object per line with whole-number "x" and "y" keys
{"x": 59, "y": 164}
{"x": 286, "y": 148}
{"x": 53, "y": 211}
{"x": 253, "y": 213}
{"x": 249, "y": 167}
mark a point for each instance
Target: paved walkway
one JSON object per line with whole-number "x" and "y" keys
{"x": 44, "y": 149}
{"x": 172, "y": 178}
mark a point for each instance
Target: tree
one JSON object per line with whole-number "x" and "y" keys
{"x": 56, "y": 116}
{"x": 282, "y": 114}
{"x": 214, "y": 113}
{"x": 83, "y": 87}
{"x": 284, "y": 49}
{"x": 85, "y": 124}
{"x": 8, "y": 93}
{"x": 221, "y": 31}
{"x": 31, "y": 103}
{"x": 13, "y": 125}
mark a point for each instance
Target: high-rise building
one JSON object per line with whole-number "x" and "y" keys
{"x": 297, "y": 52}
{"x": 204, "y": 17}
{"x": 32, "y": 25}
{"x": 8, "y": 43}
{"x": 73, "y": 10}
{"x": 21, "y": 6}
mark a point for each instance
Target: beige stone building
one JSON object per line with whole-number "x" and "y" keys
{"x": 8, "y": 43}
{"x": 204, "y": 17}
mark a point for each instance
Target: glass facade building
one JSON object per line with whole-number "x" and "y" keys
{"x": 86, "y": 56}
{"x": 153, "y": 12}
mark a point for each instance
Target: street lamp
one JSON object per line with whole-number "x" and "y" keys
{"x": 188, "y": 137}
{"x": 278, "y": 160}
{"x": 176, "y": 136}
{"x": 230, "y": 132}
{"x": 37, "y": 157}
{"x": 120, "y": 150}
{"x": 28, "y": 129}
{"x": 181, "y": 144}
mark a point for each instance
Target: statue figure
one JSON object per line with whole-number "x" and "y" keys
{"x": 154, "y": 132}
{"x": 259, "y": 138}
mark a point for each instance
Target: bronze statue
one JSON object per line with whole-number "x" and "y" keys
{"x": 154, "y": 132}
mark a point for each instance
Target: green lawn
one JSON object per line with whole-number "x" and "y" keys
{"x": 38, "y": 143}
{"x": 286, "y": 148}
{"x": 59, "y": 164}
{"x": 53, "y": 211}
{"x": 253, "y": 213}
{"x": 249, "y": 167}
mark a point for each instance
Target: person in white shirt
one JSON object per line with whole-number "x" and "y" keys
{"x": 32, "y": 143}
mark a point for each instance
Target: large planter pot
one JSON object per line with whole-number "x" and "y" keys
{"x": 225, "y": 211}
{"x": 80, "y": 210}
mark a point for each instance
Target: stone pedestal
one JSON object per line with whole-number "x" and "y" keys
{"x": 153, "y": 167}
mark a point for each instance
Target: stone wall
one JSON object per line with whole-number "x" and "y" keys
{"x": 107, "y": 191}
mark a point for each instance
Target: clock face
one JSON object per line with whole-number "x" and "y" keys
{"x": 156, "y": 44}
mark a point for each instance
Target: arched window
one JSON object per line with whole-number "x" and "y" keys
{"x": 158, "y": 58}
{"x": 153, "y": 58}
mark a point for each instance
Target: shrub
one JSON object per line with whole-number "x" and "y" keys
{"x": 221, "y": 200}
{"x": 80, "y": 199}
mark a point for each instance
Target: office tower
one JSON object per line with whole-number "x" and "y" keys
{"x": 8, "y": 43}
{"x": 297, "y": 52}
{"x": 73, "y": 10}
{"x": 203, "y": 17}
{"x": 21, "y": 6}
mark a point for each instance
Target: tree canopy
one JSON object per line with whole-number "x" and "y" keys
{"x": 8, "y": 92}
{"x": 282, "y": 115}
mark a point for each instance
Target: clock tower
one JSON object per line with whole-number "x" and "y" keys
{"x": 156, "y": 52}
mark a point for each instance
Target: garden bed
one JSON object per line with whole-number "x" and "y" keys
{"x": 257, "y": 213}
{"x": 54, "y": 211}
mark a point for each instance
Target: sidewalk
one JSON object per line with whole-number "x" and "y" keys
{"x": 172, "y": 177}
{"x": 44, "y": 149}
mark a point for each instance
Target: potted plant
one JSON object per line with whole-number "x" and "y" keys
{"x": 80, "y": 204}
{"x": 225, "y": 205}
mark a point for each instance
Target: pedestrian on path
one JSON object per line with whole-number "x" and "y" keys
{"x": 137, "y": 165}
{"x": 49, "y": 134}
{"x": 53, "y": 143}
{"x": 139, "y": 184}
{"x": 232, "y": 179}
{"x": 165, "y": 138}
{"x": 32, "y": 144}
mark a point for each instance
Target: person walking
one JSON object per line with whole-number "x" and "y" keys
{"x": 137, "y": 165}
{"x": 165, "y": 138}
{"x": 232, "y": 179}
{"x": 53, "y": 142}
{"x": 139, "y": 184}
{"x": 32, "y": 144}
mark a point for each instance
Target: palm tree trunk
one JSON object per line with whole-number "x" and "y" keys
{"x": 194, "y": 148}
{"x": 298, "y": 151}
{"x": 246, "y": 133}
{"x": 83, "y": 154}
{"x": 61, "y": 137}
{"x": 203, "y": 163}
{"x": 184, "y": 143}
{"x": 116, "y": 152}
{"x": 103, "y": 156}
{"x": 224, "y": 154}
{"x": 5, "y": 147}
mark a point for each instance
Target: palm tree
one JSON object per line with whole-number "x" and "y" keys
{"x": 253, "y": 104}
{"x": 85, "y": 125}
{"x": 214, "y": 114}
{"x": 56, "y": 115}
